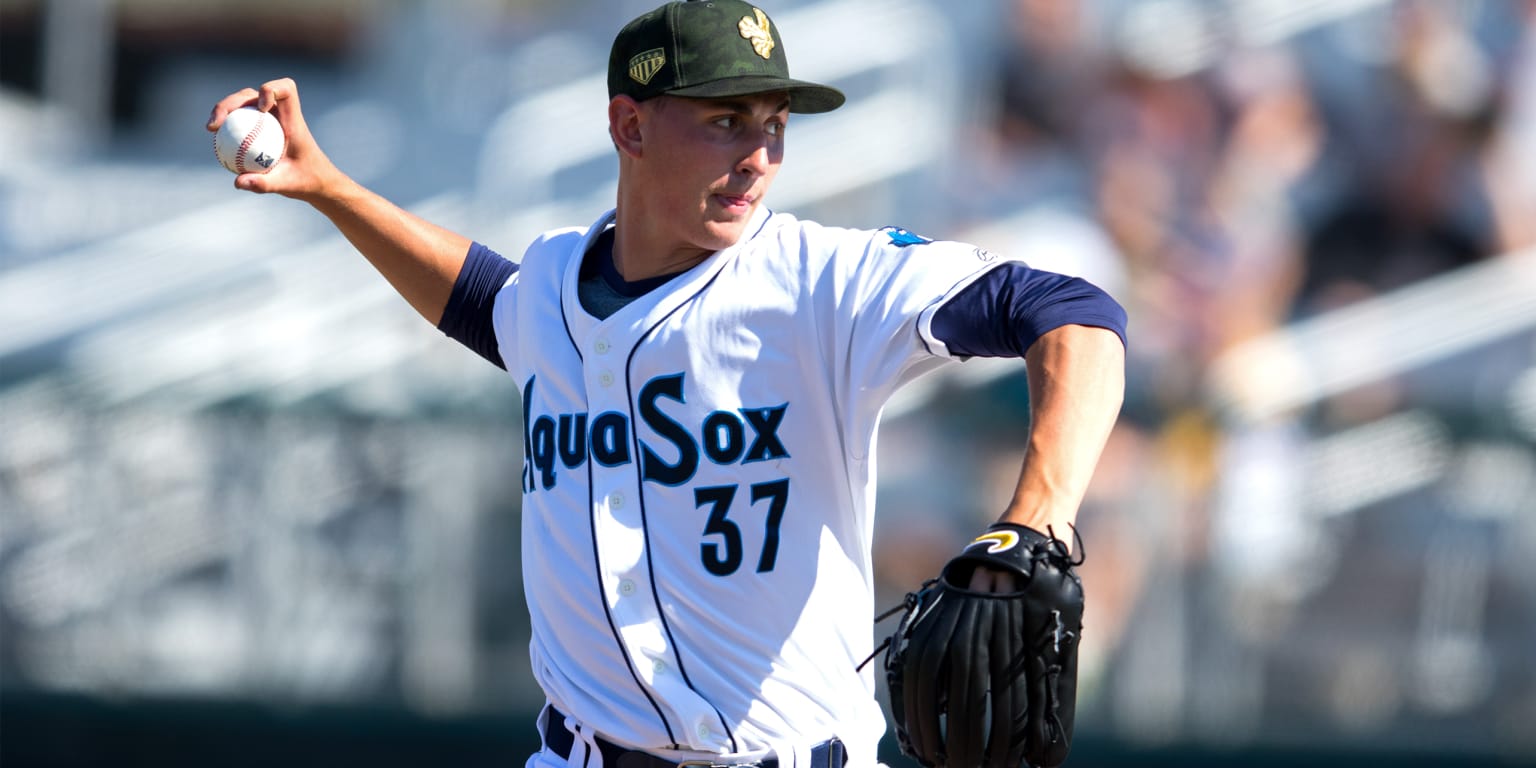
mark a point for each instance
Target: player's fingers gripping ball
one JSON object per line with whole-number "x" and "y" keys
{"x": 989, "y": 680}
{"x": 249, "y": 141}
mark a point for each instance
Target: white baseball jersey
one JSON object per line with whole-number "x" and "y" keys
{"x": 698, "y": 485}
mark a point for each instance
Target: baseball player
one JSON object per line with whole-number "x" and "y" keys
{"x": 702, "y": 379}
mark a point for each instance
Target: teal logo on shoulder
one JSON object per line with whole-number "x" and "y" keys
{"x": 903, "y": 238}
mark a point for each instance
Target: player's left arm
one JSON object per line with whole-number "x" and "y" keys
{"x": 1076, "y": 386}
{"x": 1071, "y": 335}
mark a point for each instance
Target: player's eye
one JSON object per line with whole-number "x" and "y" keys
{"x": 728, "y": 121}
{"x": 775, "y": 128}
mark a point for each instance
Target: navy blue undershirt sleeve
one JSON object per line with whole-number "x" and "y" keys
{"x": 467, "y": 318}
{"x": 1010, "y": 307}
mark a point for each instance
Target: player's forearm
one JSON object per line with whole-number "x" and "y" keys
{"x": 1076, "y": 386}
{"x": 420, "y": 259}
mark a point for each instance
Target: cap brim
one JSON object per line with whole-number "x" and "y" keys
{"x": 804, "y": 98}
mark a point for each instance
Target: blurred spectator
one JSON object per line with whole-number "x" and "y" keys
{"x": 1510, "y": 160}
{"x": 1046, "y": 74}
{"x": 1415, "y": 206}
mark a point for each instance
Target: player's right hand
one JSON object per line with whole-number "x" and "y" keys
{"x": 305, "y": 172}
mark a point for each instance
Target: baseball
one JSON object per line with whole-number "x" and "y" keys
{"x": 249, "y": 141}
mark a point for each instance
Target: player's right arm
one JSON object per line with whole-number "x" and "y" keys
{"x": 420, "y": 259}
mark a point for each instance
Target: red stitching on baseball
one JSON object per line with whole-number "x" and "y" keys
{"x": 245, "y": 144}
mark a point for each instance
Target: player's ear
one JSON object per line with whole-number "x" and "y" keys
{"x": 624, "y": 118}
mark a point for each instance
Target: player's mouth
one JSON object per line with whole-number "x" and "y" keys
{"x": 735, "y": 203}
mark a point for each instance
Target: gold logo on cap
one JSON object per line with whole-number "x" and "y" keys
{"x": 646, "y": 64}
{"x": 756, "y": 30}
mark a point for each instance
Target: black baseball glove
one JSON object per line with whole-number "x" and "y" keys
{"x": 990, "y": 679}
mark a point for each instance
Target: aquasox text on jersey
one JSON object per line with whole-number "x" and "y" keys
{"x": 553, "y": 443}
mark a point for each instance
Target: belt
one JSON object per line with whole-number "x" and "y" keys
{"x": 559, "y": 739}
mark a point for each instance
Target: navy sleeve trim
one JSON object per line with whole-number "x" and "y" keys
{"x": 1006, "y": 310}
{"x": 467, "y": 318}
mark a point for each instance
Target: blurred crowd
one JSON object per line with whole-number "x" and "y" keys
{"x": 1225, "y": 178}
{"x": 1270, "y": 182}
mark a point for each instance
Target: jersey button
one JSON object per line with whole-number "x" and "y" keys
{"x": 627, "y": 587}
{"x": 605, "y": 378}
{"x": 703, "y": 731}
{"x": 661, "y": 667}
{"x": 601, "y": 346}
{"x": 616, "y": 500}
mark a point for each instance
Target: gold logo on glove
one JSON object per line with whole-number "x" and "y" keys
{"x": 996, "y": 541}
{"x": 757, "y": 31}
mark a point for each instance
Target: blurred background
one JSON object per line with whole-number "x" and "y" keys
{"x": 252, "y": 509}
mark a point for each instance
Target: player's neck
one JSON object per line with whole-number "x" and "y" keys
{"x": 642, "y": 250}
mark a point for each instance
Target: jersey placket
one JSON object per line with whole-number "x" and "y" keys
{"x": 619, "y": 529}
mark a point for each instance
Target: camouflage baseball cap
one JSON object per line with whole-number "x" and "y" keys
{"x": 708, "y": 49}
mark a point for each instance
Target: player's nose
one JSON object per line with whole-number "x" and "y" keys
{"x": 754, "y": 162}
{"x": 760, "y": 156}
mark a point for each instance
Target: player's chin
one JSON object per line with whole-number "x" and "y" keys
{"x": 725, "y": 225}
{"x": 719, "y": 235}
